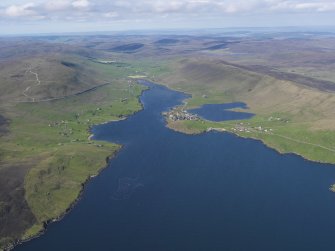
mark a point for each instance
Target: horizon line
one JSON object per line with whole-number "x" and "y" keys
{"x": 292, "y": 28}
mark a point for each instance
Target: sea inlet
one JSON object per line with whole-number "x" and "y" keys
{"x": 222, "y": 112}
{"x": 215, "y": 191}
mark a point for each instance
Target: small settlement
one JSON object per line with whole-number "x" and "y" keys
{"x": 180, "y": 114}
{"x": 241, "y": 127}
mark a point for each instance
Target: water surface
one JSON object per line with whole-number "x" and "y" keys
{"x": 168, "y": 191}
{"x": 221, "y": 112}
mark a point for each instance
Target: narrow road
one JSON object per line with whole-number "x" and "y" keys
{"x": 68, "y": 96}
{"x": 38, "y": 83}
{"x": 304, "y": 142}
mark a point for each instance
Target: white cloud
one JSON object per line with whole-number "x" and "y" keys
{"x": 81, "y": 4}
{"x": 318, "y": 6}
{"x": 20, "y": 10}
{"x": 57, "y": 5}
{"x": 312, "y": 6}
{"x": 111, "y": 14}
{"x": 97, "y": 10}
{"x": 168, "y": 6}
{"x": 241, "y": 6}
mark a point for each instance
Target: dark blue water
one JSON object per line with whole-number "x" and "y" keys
{"x": 220, "y": 112}
{"x": 168, "y": 191}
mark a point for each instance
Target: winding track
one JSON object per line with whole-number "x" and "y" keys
{"x": 38, "y": 83}
{"x": 68, "y": 96}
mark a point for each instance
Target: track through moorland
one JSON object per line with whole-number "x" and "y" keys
{"x": 38, "y": 83}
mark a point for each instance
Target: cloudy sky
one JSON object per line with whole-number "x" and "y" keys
{"x": 44, "y": 16}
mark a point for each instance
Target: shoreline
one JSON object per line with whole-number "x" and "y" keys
{"x": 114, "y": 154}
{"x": 88, "y": 179}
{"x": 195, "y": 132}
{"x": 68, "y": 210}
{"x": 223, "y": 130}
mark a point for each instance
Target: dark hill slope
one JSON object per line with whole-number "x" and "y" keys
{"x": 15, "y": 214}
{"x": 26, "y": 49}
{"x": 46, "y": 77}
{"x": 166, "y": 41}
{"x": 128, "y": 48}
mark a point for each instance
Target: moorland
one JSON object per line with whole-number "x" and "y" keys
{"x": 55, "y": 88}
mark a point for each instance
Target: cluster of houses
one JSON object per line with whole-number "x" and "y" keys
{"x": 241, "y": 127}
{"x": 177, "y": 114}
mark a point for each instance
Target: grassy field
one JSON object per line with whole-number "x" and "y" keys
{"x": 313, "y": 145}
{"x": 51, "y": 140}
{"x": 52, "y": 96}
{"x": 54, "y": 91}
{"x": 301, "y": 119}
